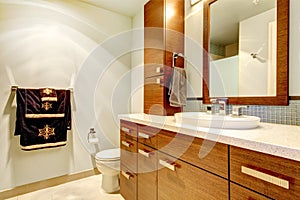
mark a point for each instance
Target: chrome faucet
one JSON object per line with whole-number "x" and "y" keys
{"x": 236, "y": 110}
{"x": 218, "y": 106}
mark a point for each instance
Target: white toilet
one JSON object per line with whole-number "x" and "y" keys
{"x": 108, "y": 163}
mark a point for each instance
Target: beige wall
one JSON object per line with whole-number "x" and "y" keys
{"x": 44, "y": 44}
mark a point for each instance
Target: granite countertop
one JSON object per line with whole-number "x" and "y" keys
{"x": 275, "y": 139}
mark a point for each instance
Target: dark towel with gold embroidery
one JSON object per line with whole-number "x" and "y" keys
{"x": 48, "y": 94}
{"x": 46, "y": 128}
{"x": 36, "y": 108}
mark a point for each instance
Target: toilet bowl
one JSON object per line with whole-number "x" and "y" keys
{"x": 108, "y": 163}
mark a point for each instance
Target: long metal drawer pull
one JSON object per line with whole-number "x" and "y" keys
{"x": 266, "y": 177}
{"x": 144, "y": 135}
{"x": 126, "y": 175}
{"x": 167, "y": 165}
{"x": 127, "y": 130}
{"x": 144, "y": 153}
{"x": 126, "y": 144}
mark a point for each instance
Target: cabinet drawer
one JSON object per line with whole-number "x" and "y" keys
{"x": 240, "y": 193}
{"x": 147, "y": 173}
{"x": 272, "y": 176}
{"x": 205, "y": 154}
{"x": 128, "y": 184}
{"x": 129, "y": 153}
{"x": 148, "y": 135}
{"x": 128, "y": 129}
{"x": 179, "y": 180}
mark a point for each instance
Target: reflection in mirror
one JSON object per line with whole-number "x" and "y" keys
{"x": 246, "y": 57}
{"x": 243, "y": 48}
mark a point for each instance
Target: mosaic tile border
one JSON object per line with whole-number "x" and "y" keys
{"x": 289, "y": 115}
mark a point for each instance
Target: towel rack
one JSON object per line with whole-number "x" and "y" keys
{"x": 15, "y": 87}
{"x": 175, "y": 56}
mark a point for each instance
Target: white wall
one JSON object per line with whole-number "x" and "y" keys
{"x": 193, "y": 47}
{"x": 45, "y": 44}
{"x": 254, "y": 38}
{"x": 294, "y": 48}
{"x": 137, "y": 63}
{"x": 225, "y": 73}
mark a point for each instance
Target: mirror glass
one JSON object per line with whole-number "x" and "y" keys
{"x": 242, "y": 48}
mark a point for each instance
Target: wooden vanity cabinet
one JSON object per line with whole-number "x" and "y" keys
{"x": 163, "y": 35}
{"x": 160, "y": 164}
{"x": 272, "y": 176}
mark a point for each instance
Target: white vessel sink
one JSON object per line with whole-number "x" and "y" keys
{"x": 203, "y": 119}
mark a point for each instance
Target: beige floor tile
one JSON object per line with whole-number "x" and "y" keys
{"x": 84, "y": 189}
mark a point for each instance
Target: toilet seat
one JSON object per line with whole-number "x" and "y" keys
{"x": 108, "y": 155}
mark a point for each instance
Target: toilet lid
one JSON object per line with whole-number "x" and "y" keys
{"x": 109, "y": 154}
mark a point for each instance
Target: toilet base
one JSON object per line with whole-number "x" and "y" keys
{"x": 110, "y": 183}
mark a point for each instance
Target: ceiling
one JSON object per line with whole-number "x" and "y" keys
{"x": 125, "y": 7}
{"x": 226, "y": 15}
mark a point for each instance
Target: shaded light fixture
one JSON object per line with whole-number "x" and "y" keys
{"x": 193, "y": 2}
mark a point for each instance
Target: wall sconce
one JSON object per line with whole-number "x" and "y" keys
{"x": 193, "y": 2}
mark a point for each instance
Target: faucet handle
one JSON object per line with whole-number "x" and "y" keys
{"x": 236, "y": 110}
{"x": 213, "y": 100}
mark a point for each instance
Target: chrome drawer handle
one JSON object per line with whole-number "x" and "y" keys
{"x": 127, "y": 130}
{"x": 144, "y": 135}
{"x": 144, "y": 153}
{"x": 126, "y": 175}
{"x": 158, "y": 81}
{"x": 157, "y": 69}
{"x": 265, "y": 177}
{"x": 126, "y": 144}
{"x": 167, "y": 165}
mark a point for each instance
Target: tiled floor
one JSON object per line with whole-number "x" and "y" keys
{"x": 84, "y": 189}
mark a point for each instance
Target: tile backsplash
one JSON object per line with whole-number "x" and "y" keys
{"x": 271, "y": 114}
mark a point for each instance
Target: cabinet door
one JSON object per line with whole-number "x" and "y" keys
{"x": 275, "y": 177}
{"x": 240, "y": 193}
{"x": 128, "y": 184}
{"x": 180, "y": 180}
{"x": 147, "y": 173}
{"x": 154, "y": 95}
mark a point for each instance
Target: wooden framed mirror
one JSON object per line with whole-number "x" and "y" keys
{"x": 281, "y": 40}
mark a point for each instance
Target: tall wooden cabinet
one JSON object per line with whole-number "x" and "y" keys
{"x": 164, "y": 35}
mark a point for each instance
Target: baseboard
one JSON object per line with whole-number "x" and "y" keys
{"x": 46, "y": 183}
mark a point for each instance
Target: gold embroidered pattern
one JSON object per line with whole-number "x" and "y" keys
{"x": 48, "y": 91}
{"x": 47, "y": 105}
{"x": 46, "y": 132}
